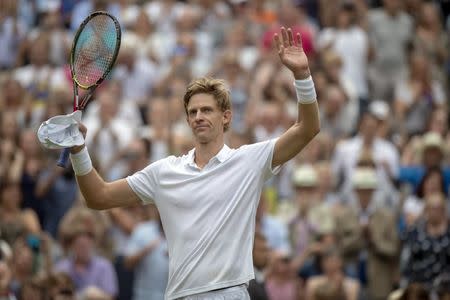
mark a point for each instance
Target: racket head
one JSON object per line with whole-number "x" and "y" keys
{"x": 94, "y": 50}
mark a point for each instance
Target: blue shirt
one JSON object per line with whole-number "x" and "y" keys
{"x": 152, "y": 272}
{"x": 413, "y": 175}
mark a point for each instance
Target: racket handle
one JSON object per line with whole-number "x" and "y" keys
{"x": 63, "y": 158}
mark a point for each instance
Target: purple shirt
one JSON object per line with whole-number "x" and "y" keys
{"x": 99, "y": 273}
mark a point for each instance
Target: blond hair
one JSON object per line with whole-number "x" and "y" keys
{"x": 215, "y": 87}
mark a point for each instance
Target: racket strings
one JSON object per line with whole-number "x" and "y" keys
{"x": 95, "y": 50}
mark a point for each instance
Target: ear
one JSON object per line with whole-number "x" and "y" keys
{"x": 227, "y": 115}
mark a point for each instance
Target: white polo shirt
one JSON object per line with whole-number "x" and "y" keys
{"x": 208, "y": 214}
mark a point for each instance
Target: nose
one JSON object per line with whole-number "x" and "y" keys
{"x": 198, "y": 116}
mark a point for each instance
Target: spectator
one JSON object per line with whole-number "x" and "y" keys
{"x": 5, "y": 281}
{"x": 432, "y": 154}
{"x": 431, "y": 39}
{"x": 261, "y": 255}
{"x": 110, "y": 132}
{"x": 384, "y": 154}
{"x": 33, "y": 289}
{"x": 59, "y": 286}
{"x": 425, "y": 248}
{"x": 380, "y": 240}
{"x": 11, "y": 157}
{"x": 333, "y": 278}
{"x": 351, "y": 43}
{"x": 84, "y": 266}
{"x": 332, "y": 67}
{"x": 431, "y": 183}
{"x": 416, "y": 96}
{"x": 12, "y": 31}
{"x": 334, "y": 113}
{"x": 146, "y": 254}
{"x": 56, "y": 188}
{"x": 282, "y": 281}
{"x": 274, "y": 231}
{"x": 390, "y": 31}
{"x": 14, "y": 222}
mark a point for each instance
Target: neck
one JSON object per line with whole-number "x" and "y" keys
{"x": 204, "y": 152}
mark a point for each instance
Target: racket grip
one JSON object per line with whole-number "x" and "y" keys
{"x": 63, "y": 158}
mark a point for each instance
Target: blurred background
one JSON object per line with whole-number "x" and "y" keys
{"x": 361, "y": 213}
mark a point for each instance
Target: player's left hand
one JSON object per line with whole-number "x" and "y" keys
{"x": 291, "y": 53}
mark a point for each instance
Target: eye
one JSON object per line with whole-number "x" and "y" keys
{"x": 207, "y": 109}
{"x": 192, "y": 113}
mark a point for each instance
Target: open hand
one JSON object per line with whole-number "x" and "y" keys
{"x": 291, "y": 53}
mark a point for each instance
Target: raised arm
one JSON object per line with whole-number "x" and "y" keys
{"x": 308, "y": 123}
{"x": 97, "y": 193}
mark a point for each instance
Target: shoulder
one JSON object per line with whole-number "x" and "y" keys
{"x": 257, "y": 150}
{"x": 258, "y": 145}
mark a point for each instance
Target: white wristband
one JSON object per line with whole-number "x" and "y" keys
{"x": 306, "y": 93}
{"x": 81, "y": 162}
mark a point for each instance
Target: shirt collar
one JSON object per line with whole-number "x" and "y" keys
{"x": 223, "y": 154}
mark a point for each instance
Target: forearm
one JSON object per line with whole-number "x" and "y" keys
{"x": 92, "y": 187}
{"x": 99, "y": 194}
{"x": 308, "y": 119}
{"x": 305, "y": 128}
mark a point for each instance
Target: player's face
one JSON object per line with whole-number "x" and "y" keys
{"x": 205, "y": 118}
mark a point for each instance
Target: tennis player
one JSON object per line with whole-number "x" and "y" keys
{"x": 207, "y": 199}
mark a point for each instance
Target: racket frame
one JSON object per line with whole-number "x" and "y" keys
{"x": 77, "y": 105}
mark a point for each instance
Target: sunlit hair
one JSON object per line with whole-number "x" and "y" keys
{"x": 211, "y": 86}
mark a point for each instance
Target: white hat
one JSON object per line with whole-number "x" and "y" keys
{"x": 364, "y": 178}
{"x": 305, "y": 176}
{"x": 379, "y": 109}
{"x": 61, "y": 131}
{"x": 432, "y": 140}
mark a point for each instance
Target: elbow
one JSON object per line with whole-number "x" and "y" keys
{"x": 314, "y": 130}
{"x": 96, "y": 200}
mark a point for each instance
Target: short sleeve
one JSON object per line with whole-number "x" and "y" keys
{"x": 259, "y": 156}
{"x": 145, "y": 182}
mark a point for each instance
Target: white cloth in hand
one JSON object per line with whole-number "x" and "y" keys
{"x": 61, "y": 132}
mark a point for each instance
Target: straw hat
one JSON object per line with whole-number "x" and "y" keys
{"x": 305, "y": 176}
{"x": 364, "y": 178}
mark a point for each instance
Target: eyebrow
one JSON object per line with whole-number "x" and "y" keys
{"x": 201, "y": 108}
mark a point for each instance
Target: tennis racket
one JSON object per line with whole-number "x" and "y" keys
{"x": 94, "y": 51}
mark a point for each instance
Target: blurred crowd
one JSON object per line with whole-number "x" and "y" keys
{"x": 361, "y": 213}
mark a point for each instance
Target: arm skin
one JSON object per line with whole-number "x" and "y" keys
{"x": 307, "y": 125}
{"x": 100, "y": 194}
